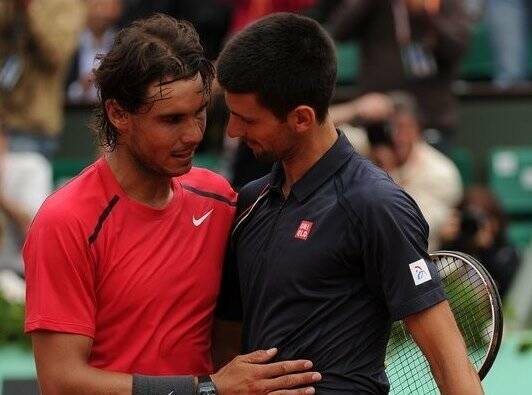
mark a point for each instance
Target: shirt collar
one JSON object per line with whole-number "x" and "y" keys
{"x": 320, "y": 172}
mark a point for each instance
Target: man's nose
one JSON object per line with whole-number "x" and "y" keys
{"x": 194, "y": 133}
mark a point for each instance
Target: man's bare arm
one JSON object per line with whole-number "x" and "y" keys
{"x": 436, "y": 333}
{"x": 62, "y": 369}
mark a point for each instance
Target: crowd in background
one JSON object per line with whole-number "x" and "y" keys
{"x": 403, "y": 118}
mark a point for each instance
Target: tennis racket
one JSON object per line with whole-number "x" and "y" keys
{"x": 476, "y": 306}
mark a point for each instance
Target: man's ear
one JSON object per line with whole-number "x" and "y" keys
{"x": 118, "y": 116}
{"x": 302, "y": 118}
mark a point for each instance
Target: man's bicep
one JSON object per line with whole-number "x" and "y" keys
{"x": 63, "y": 368}
{"x": 436, "y": 333}
{"x": 56, "y": 354}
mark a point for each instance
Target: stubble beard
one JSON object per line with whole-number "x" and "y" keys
{"x": 266, "y": 157}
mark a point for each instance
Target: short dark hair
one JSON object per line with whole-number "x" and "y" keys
{"x": 286, "y": 60}
{"x": 154, "y": 49}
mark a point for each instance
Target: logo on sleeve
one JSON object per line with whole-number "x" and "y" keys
{"x": 303, "y": 231}
{"x": 420, "y": 272}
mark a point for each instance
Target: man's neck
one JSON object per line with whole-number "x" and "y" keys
{"x": 306, "y": 154}
{"x": 139, "y": 183}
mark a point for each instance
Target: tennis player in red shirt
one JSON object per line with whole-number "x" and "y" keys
{"x": 123, "y": 264}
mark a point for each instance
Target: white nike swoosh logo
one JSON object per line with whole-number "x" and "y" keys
{"x": 199, "y": 221}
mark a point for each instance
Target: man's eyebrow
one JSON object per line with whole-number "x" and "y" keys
{"x": 171, "y": 115}
{"x": 182, "y": 114}
{"x": 241, "y": 116}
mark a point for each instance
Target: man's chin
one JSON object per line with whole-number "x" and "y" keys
{"x": 179, "y": 171}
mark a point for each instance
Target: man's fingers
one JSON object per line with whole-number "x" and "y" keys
{"x": 259, "y": 356}
{"x": 299, "y": 391}
{"x": 282, "y": 368}
{"x": 292, "y": 380}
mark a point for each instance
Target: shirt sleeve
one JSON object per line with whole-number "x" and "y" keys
{"x": 395, "y": 255}
{"x": 60, "y": 275}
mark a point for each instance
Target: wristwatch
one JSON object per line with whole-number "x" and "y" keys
{"x": 205, "y": 386}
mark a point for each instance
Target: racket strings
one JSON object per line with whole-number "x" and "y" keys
{"x": 407, "y": 368}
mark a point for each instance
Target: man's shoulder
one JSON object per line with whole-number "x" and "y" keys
{"x": 368, "y": 189}
{"x": 362, "y": 179}
{"x": 255, "y": 187}
{"x": 75, "y": 199}
{"x": 251, "y": 191}
{"x": 207, "y": 181}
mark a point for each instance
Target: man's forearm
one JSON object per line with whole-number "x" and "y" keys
{"x": 436, "y": 333}
{"x": 92, "y": 381}
{"x": 84, "y": 380}
{"x": 457, "y": 379}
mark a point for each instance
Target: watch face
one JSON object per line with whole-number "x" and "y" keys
{"x": 207, "y": 388}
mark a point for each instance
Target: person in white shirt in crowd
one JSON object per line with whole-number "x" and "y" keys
{"x": 429, "y": 176}
{"x": 25, "y": 182}
{"x": 398, "y": 147}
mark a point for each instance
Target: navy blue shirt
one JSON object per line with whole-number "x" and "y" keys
{"x": 323, "y": 273}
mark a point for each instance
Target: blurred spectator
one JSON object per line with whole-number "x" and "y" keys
{"x": 509, "y": 25}
{"x": 369, "y": 109}
{"x": 25, "y": 181}
{"x": 247, "y": 11}
{"x": 478, "y": 228}
{"x": 411, "y": 45}
{"x": 37, "y": 39}
{"x": 211, "y": 18}
{"x": 372, "y": 107}
{"x": 102, "y": 15}
{"x": 427, "y": 175}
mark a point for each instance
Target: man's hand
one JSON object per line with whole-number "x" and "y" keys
{"x": 249, "y": 374}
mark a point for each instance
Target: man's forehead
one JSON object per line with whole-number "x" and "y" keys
{"x": 172, "y": 87}
{"x": 243, "y": 101}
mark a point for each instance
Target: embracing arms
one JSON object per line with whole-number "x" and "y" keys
{"x": 62, "y": 369}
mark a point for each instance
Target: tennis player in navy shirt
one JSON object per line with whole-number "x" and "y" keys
{"x": 327, "y": 251}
